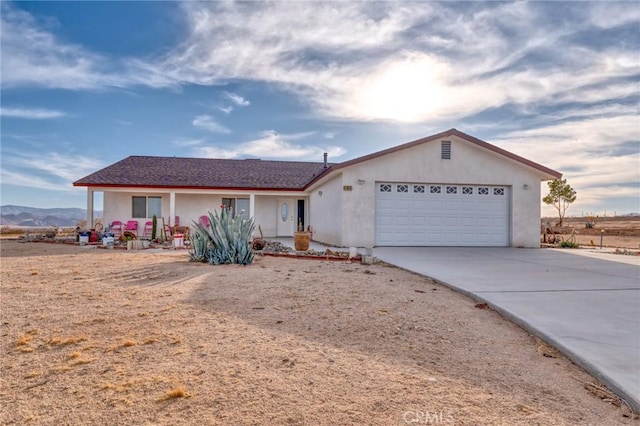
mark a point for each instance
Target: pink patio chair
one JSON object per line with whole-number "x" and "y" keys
{"x": 132, "y": 226}
{"x": 204, "y": 220}
{"x": 148, "y": 228}
{"x": 116, "y": 228}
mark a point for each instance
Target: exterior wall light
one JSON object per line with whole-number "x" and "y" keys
{"x": 525, "y": 186}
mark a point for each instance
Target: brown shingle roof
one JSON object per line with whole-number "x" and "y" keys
{"x": 204, "y": 173}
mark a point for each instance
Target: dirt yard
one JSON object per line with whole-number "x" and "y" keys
{"x": 619, "y": 232}
{"x": 92, "y": 336}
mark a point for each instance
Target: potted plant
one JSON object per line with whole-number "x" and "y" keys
{"x": 302, "y": 238}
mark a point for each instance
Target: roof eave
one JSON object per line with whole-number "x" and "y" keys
{"x": 168, "y": 187}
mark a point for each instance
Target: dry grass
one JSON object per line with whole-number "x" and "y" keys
{"x": 177, "y": 392}
{"x": 24, "y": 339}
{"x": 62, "y": 341}
{"x": 546, "y": 350}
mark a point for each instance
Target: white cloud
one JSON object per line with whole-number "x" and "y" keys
{"x": 226, "y": 110}
{"x": 237, "y": 99}
{"x": 586, "y": 155}
{"x": 46, "y": 170}
{"x": 34, "y": 114}
{"x": 32, "y": 56}
{"x": 357, "y": 61}
{"x": 409, "y": 62}
{"x": 188, "y": 142}
{"x": 272, "y": 144}
{"x": 207, "y": 122}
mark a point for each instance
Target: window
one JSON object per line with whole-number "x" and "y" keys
{"x": 418, "y": 189}
{"x": 146, "y": 207}
{"x": 467, "y": 190}
{"x": 385, "y": 187}
{"x": 434, "y": 189}
{"x": 452, "y": 190}
{"x": 237, "y": 206}
{"x": 483, "y": 191}
{"x": 403, "y": 188}
{"x": 446, "y": 150}
{"x": 498, "y": 191}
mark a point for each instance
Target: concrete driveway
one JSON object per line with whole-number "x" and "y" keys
{"x": 586, "y": 305}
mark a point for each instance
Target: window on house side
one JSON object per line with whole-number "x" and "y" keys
{"x": 236, "y": 205}
{"x": 146, "y": 207}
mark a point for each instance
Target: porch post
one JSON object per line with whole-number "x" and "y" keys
{"x": 90, "y": 207}
{"x": 252, "y": 204}
{"x": 172, "y": 208}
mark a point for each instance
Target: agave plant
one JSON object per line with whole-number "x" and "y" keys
{"x": 199, "y": 250}
{"x": 225, "y": 239}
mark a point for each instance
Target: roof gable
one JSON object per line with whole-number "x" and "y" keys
{"x": 438, "y": 136}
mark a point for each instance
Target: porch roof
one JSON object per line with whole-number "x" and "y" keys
{"x": 205, "y": 173}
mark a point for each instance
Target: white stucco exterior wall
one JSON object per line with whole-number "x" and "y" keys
{"x": 326, "y": 211}
{"x": 266, "y": 215}
{"x": 469, "y": 164}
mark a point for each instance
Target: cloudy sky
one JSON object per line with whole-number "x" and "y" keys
{"x": 85, "y": 84}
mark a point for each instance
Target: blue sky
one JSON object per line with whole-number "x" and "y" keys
{"x": 85, "y": 84}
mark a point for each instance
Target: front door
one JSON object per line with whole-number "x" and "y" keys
{"x": 285, "y": 217}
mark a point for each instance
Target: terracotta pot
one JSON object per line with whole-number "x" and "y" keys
{"x": 301, "y": 240}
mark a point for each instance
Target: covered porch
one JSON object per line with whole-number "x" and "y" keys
{"x": 276, "y": 213}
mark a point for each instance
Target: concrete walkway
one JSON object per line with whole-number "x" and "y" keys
{"x": 586, "y": 305}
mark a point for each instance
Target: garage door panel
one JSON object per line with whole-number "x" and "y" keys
{"x": 442, "y": 215}
{"x": 435, "y": 220}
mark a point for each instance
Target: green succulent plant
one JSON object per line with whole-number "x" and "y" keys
{"x": 226, "y": 239}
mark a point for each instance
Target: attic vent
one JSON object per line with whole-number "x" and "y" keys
{"x": 446, "y": 150}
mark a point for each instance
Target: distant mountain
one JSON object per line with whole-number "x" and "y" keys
{"x": 21, "y": 216}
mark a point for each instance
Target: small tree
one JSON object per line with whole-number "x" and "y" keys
{"x": 560, "y": 196}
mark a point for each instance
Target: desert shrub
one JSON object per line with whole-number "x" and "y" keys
{"x": 226, "y": 239}
{"x": 569, "y": 244}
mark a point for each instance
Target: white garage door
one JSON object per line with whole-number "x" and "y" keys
{"x": 410, "y": 214}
